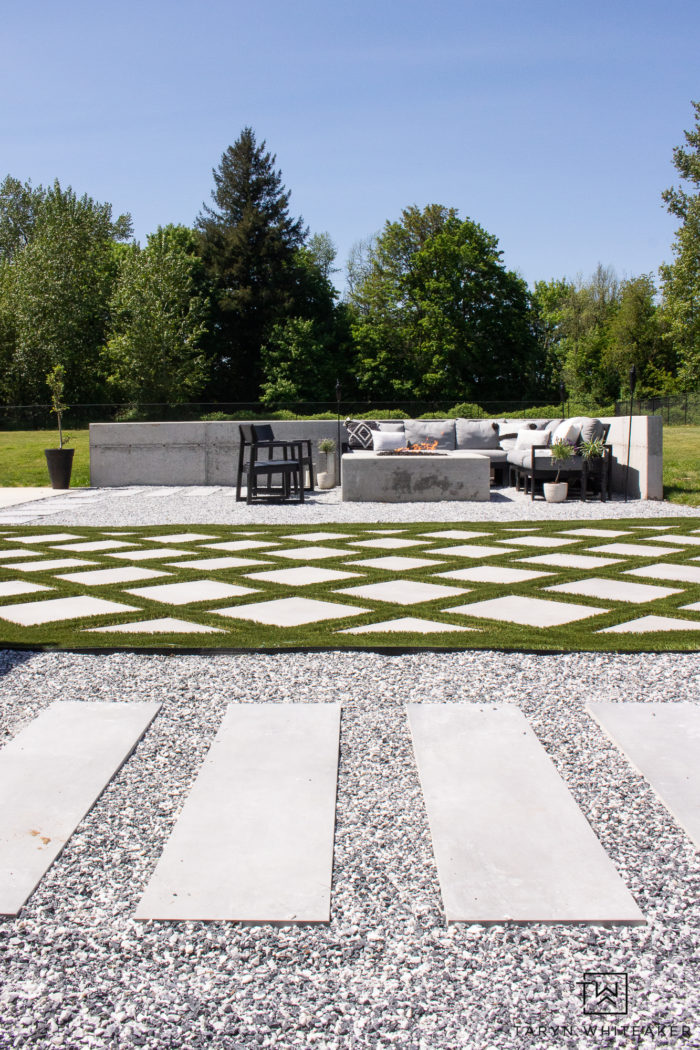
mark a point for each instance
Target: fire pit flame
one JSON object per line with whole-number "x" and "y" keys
{"x": 425, "y": 448}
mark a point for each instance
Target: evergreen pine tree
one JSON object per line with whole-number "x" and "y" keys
{"x": 248, "y": 242}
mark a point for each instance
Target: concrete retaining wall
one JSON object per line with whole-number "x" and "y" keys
{"x": 207, "y": 453}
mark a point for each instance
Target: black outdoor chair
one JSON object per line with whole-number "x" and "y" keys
{"x": 268, "y": 459}
{"x": 264, "y": 432}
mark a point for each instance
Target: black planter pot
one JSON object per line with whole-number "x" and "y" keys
{"x": 60, "y": 464}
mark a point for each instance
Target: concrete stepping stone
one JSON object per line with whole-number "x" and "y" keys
{"x": 645, "y": 625}
{"x": 254, "y": 841}
{"x": 673, "y": 537}
{"x": 47, "y": 566}
{"x": 403, "y": 592}
{"x": 454, "y": 534}
{"x": 388, "y": 543}
{"x": 9, "y": 588}
{"x": 493, "y": 574}
{"x": 51, "y": 775}
{"x": 528, "y": 612}
{"x": 224, "y": 562}
{"x": 20, "y": 552}
{"x": 570, "y": 561}
{"x": 53, "y": 537}
{"x": 302, "y": 575}
{"x": 162, "y": 625}
{"x": 93, "y": 545}
{"x": 313, "y": 537}
{"x": 290, "y": 612}
{"x": 614, "y": 590}
{"x": 537, "y": 541}
{"x": 659, "y": 527}
{"x": 149, "y": 554}
{"x": 311, "y": 553}
{"x": 662, "y": 742}
{"x": 694, "y": 606}
{"x": 31, "y": 614}
{"x": 101, "y": 577}
{"x": 668, "y": 571}
{"x": 510, "y": 843}
{"x": 467, "y": 550}
{"x": 239, "y": 545}
{"x": 637, "y": 550}
{"x": 395, "y": 563}
{"x": 406, "y": 623}
{"x": 602, "y": 533}
{"x": 181, "y": 537}
{"x": 190, "y": 591}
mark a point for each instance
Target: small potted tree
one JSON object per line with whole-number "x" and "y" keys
{"x": 59, "y": 460}
{"x": 556, "y": 491}
{"x": 326, "y": 478}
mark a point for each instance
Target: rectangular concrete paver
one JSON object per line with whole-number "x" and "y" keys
{"x": 51, "y": 774}
{"x": 254, "y": 842}
{"x": 662, "y": 742}
{"x": 510, "y": 843}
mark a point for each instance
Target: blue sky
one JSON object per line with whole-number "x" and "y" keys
{"x": 550, "y": 123}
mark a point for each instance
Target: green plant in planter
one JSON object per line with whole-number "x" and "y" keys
{"x": 327, "y": 446}
{"x": 589, "y": 450}
{"x": 56, "y": 381}
{"x": 561, "y": 452}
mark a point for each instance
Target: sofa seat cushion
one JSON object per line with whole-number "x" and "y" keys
{"x": 419, "y": 431}
{"x": 522, "y": 457}
{"x": 476, "y": 434}
{"x": 496, "y": 455}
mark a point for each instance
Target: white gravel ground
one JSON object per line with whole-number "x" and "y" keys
{"x": 76, "y": 971}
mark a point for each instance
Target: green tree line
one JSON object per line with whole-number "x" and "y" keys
{"x": 241, "y": 307}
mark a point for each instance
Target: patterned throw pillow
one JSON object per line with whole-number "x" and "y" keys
{"x": 360, "y": 432}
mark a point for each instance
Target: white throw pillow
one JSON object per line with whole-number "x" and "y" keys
{"x": 533, "y": 439}
{"x": 567, "y": 431}
{"x": 383, "y": 441}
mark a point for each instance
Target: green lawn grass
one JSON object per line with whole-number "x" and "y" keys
{"x": 22, "y": 460}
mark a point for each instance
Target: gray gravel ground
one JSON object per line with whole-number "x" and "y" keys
{"x": 77, "y": 971}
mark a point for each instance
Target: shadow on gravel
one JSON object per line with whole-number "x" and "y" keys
{"x": 11, "y": 658}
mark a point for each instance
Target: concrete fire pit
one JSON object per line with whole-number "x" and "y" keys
{"x": 368, "y": 477}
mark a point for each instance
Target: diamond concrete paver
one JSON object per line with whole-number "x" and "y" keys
{"x": 290, "y": 612}
{"x": 570, "y": 561}
{"x": 212, "y": 564}
{"x": 635, "y": 550}
{"x": 313, "y": 537}
{"x": 673, "y": 537}
{"x": 162, "y": 625}
{"x": 510, "y": 843}
{"x": 662, "y": 742}
{"x": 150, "y": 554}
{"x": 311, "y": 553}
{"x": 190, "y": 591}
{"x": 254, "y": 841}
{"x": 51, "y": 775}
{"x": 528, "y": 612}
{"x": 53, "y": 537}
{"x": 537, "y": 541}
{"x": 694, "y": 606}
{"x": 614, "y": 590}
{"x": 9, "y": 588}
{"x": 239, "y": 545}
{"x": 30, "y": 614}
{"x": 406, "y": 623}
{"x": 302, "y": 575}
{"x": 19, "y": 552}
{"x": 666, "y": 571}
{"x": 403, "y": 592}
{"x": 395, "y": 563}
{"x": 454, "y": 534}
{"x": 390, "y": 543}
{"x": 92, "y": 545}
{"x": 48, "y": 566}
{"x": 468, "y": 550}
{"x": 604, "y": 534}
{"x": 102, "y": 577}
{"x": 181, "y": 537}
{"x": 493, "y": 574}
{"x": 651, "y": 624}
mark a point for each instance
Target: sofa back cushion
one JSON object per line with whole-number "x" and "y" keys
{"x": 441, "y": 430}
{"x": 533, "y": 439}
{"x": 392, "y": 426}
{"x": 591, "y": 429}
{"x": 476, "y": 433}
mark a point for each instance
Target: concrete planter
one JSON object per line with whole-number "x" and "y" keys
{"x": 555, "y": 491}
{"x": 325, "y": 479}
{"x": 60, "y": 464}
